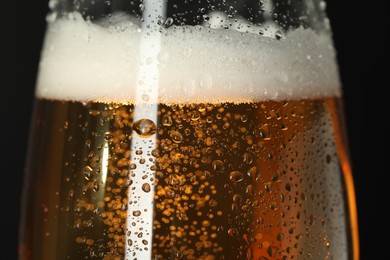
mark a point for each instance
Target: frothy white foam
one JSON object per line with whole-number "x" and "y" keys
{"x": 85, "y": 61}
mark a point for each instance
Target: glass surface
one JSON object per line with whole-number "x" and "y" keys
{"x": 188, "y": 130}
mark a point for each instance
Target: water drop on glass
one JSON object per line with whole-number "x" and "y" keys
{"x": 168, "y": 22}
{"x": 232, "y": 232}
{"x": 253, "y": 173}
{"x": 278, "y": 35}
{"x": 145, "y": 97}
{"x": 136, "y": 213}
{"x": 177, "y": 137}
{"x": 236, "y": 176}
{"x": 146, "y": 187}
{"x": 88, "y": 172}
{"x": 166, "y": 120}
{"x": 144, "y": 127}
{"x": 217, "y": 165}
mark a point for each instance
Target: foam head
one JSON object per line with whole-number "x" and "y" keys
{"x": 86, "y": 61}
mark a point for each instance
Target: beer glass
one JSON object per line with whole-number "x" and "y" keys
{"x": 208, "y": 129}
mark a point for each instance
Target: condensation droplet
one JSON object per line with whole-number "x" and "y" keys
{"x": 253, "y": 173}
{"x": 88, "y": 172}
{"x": 177, "y": 137}
{"x": 146, "y": 187}
{"x": 136, "y": 213}
{"x": 168, "y": 22}
{"x": 236, "y": 176}
{"x": 144, "y": 127}
{"x": 278, "y": 35}
{"x": 272, "y": 251}
{"x": 195, "y": 116}
{"x": 145, "y": 97}
{"x": 248, "y": 158}
{"x": 213, "y": 203}
{"x": 217, "y": 166}
{"x": 250, "y": 190}
{"x": 328, "y": 158}
{"x": 108, "y": 136}
{"x": 95, "y": 186}
{"x": 201, "y": 107}
{"x": 166, "y": 120}
{"x": 288, "y": 186}
{"x": 232, "y": 232}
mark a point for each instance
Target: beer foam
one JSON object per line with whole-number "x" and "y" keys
{"x": 85, "y": 61}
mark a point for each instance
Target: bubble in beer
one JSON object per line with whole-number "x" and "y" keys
{"x": 144, "y": 127}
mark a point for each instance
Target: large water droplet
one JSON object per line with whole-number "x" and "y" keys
{"x": 144, "y": 127}
{"x": 236, "y": 176}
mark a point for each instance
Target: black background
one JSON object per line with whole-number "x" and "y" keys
{"x": 361, "y": 38}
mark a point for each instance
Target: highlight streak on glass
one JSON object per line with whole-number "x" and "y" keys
{"x": 105, "y": 163}
{"x": 139, "y": 224}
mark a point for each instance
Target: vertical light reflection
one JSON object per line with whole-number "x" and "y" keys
{"x": 139, "y": 223}
{"x": 105, "y": 163}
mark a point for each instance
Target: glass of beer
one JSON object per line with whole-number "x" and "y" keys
{"x": 208, "y": 129}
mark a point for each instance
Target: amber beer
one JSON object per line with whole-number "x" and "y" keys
{"x": 238, "y": 154}
{"x": 261, "y": 180}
